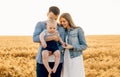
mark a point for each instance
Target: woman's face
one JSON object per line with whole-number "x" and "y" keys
{"x": 64, "y": 22}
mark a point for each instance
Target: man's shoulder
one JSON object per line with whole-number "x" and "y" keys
{"x": 41, "y": 22}
{"x": 45, "y": 31}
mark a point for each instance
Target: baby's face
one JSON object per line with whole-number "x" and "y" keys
{"x": 51, "y": 28}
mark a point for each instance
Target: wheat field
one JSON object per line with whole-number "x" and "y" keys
{"x": 101, "y": 58}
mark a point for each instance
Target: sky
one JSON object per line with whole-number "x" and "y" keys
{"x": 96, "y": 17}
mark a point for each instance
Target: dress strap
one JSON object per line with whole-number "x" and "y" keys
{"x": 66, "y": 40}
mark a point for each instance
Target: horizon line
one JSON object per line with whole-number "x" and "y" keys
{"x": 85, "y": 35}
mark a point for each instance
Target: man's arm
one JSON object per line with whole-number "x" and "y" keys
{"x": 38, "y": 29}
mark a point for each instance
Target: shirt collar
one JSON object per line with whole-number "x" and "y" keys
{"x": 70, "y": 29}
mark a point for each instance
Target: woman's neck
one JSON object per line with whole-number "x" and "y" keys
{"x": 68, "y": 27}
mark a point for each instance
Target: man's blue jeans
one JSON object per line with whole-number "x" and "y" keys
{"x": 42, "y": 72}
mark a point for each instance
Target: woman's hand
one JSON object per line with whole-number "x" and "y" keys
{"x": 67, "y": 46}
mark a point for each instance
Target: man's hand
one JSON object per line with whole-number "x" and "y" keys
{"x": 56, "y": 38}
{"x": 49, "y": 38}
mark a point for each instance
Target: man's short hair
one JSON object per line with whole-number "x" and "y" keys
{"x": 55, "y": 10}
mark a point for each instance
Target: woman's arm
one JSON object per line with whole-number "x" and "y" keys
{"x": 82, "y": 42}
{"x": 82, "y": 45}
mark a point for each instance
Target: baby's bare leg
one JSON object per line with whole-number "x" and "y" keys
{"x": 57, "y": 60}
{"x": 45, "y": 55}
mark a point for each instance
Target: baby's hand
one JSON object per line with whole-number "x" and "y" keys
{"x": 44, "y": 45}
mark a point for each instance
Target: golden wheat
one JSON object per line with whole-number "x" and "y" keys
{"x": 101, "y": 59}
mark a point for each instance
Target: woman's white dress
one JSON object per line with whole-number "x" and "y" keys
{"x": 73, "y": 67}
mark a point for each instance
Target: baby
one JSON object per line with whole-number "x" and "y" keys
{"x": 50, "y": 46}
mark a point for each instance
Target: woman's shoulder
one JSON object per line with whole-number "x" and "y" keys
{"x": 79, "y": 29}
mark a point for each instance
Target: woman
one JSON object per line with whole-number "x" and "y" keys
{"x": 76, "y": 43}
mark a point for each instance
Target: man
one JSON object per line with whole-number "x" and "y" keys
{"x": 41, "y": 71}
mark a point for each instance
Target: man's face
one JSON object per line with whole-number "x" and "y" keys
{"x": 51, "y": 15}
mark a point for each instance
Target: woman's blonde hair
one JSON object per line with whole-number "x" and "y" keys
{"x": 68, "y": 17}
